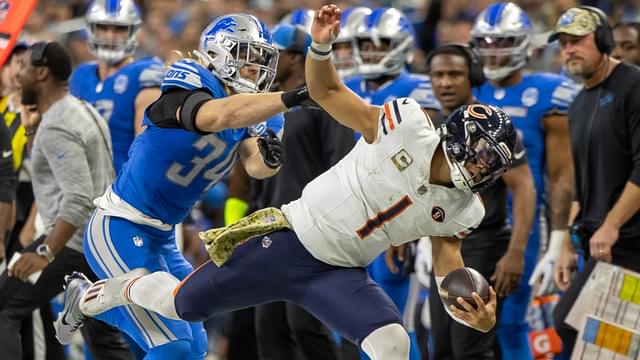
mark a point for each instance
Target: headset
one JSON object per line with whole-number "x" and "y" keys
{"x": 38, "y": 51}
{"x": 603, "y": 34}
{"x": 476, "y": 75}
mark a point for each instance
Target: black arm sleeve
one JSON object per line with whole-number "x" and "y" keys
{"x": 162, "y": 112}
{"x": 8, "y": 177}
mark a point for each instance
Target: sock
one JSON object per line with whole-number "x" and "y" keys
{"x": 155, "y": 292}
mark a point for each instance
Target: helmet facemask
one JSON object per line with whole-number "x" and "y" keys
{"x": 112, "y": 51}
{"x": 496, "y": 49}
{"x": 227, "y": 56}
{"x": 344, "y": 59}
{"x": 481, "y": 153}
{"x": 375, "y": 63}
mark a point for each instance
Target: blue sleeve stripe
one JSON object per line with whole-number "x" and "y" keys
{"x": 177, "y": 83}
{"x": 187, "y": 68}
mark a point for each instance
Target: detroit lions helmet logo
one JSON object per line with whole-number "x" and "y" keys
{"x": 228, "y": 24}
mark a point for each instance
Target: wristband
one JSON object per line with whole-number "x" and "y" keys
{"x": 320, "y": 52}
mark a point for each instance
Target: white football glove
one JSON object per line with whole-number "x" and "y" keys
{"x": 543, "y": 272}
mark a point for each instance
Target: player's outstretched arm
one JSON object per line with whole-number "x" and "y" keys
{"x": 326, "y": 88}
{"x": 232, "y": 112}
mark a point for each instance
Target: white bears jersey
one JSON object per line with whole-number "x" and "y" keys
{"x": 379, "y": 194}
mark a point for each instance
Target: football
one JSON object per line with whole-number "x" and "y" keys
{"x": 461, "y": 283}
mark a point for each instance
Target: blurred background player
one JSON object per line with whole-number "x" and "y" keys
{"x": 119, "y": 86}
{"x": 495, "y": 248}
{"x": 345, "y": 47}
{"x": 626, "y": 39}
{"x": 385, "y": 42}
{"x": 152, "y": 194}
{"x": 537, "y": 104}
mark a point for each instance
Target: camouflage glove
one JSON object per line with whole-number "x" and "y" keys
{"x": 221, "y": 242}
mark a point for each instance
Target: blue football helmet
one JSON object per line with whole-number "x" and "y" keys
{"x": 234, "y": 41}
{"x": 501, "y": 34}
{"x": 299, "y": 17}
{"x": 478, "y": 142}
{"x": 122, "y": 13}
{"x": 390, "y": 28}
{"x": 345, "y": 47}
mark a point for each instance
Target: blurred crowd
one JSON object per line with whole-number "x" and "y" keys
{"x": 176, "y": 24}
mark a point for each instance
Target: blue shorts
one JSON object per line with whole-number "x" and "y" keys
{"x": 277, "y": 267}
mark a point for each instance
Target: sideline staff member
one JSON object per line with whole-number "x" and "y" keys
{"x": 604, "y": 123}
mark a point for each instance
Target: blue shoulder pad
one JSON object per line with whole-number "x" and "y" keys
{"x": 189, "y": 75}
{"x": 151, "y": 72}
{"x": 561, "y": 90}
{"x": 422, "y": 92}
{"x": 79, "y": 75}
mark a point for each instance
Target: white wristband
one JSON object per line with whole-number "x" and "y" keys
{"x": 320, "y": 52}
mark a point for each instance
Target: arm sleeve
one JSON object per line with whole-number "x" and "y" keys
{"x": 8, "y": 177}
{"x": 632, "y": 117}
{"x": 66, "y": 155}
{"x": 162, "y": 112}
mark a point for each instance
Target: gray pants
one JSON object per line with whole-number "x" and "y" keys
{"x": 104, "y": 341}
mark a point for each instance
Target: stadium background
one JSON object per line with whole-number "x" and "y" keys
{"x": 176, "y": 25}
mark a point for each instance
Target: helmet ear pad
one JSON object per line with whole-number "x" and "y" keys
{"x": 603, "y": 34}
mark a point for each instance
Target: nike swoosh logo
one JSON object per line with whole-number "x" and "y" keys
{"x": 518, "y": 155}
{"x": 405, "y": 101}
{"x": 6, "y": 154}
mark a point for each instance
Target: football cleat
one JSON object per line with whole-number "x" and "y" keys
{"x": 106, "y": 294}
{"x": 71, "y": 318}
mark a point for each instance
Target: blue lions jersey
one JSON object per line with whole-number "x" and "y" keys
{"x": 168, "y": 169}
{"x": 115, "y": 97}
{"x": 415, "y": 86}
{"x": 527, "y": 103}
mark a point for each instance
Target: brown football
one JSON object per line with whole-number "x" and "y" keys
{"x": 461, "y": 283}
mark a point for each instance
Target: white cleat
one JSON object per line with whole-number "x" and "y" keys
{"x": 106, "y": 294}
{"x": 71, "y": 318}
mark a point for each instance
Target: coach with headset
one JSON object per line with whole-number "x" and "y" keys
{"x": 495, "y": 248}
{"x": 604, "y": 124}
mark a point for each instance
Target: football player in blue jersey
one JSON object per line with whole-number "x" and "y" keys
{"x": 538, "y": 104}
{"x": 118, "y": 86}
{"x": 194, "y": 134}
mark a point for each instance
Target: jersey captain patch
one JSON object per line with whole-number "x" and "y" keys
{"x": 402, "y": 160}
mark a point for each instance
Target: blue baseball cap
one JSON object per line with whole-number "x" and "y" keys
{"x": 291, "y": 38}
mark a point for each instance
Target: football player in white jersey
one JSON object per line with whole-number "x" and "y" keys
{"x": 403, "y": 180}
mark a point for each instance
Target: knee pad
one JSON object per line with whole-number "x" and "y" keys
{"x": 199, "y": 344}
{"x": 390, "y": 342}
{"x": 179, "y": 349}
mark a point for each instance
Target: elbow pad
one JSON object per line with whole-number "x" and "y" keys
{"x": 189, "y": 110}
{"x": 162, "y": 112}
